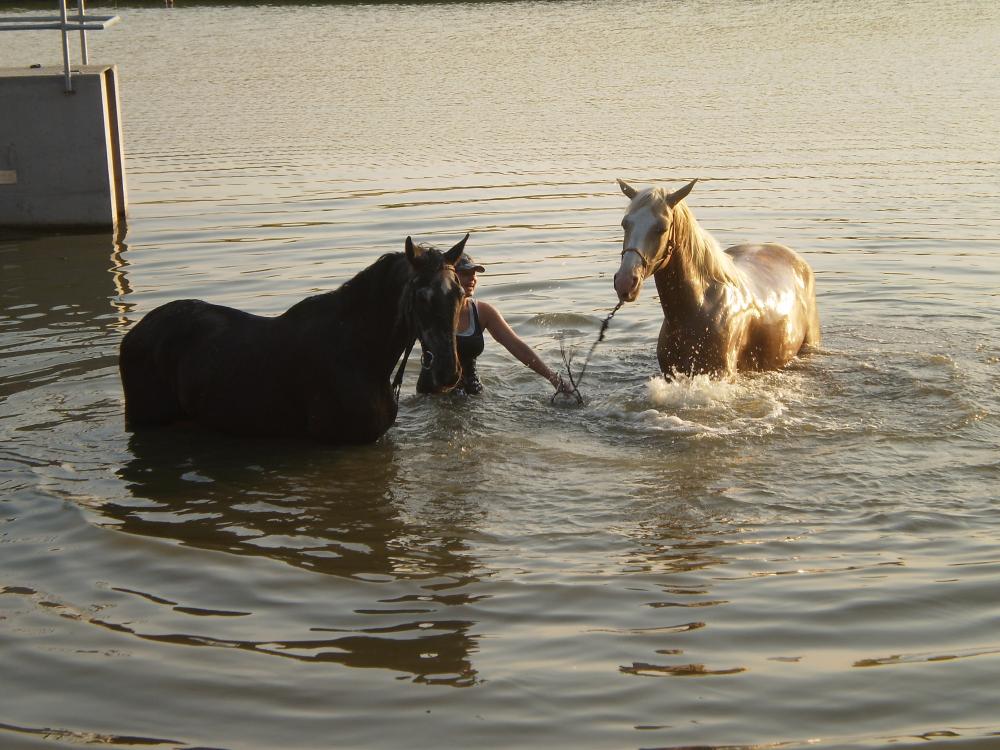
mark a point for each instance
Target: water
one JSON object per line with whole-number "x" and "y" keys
{"x": 804, "y": 558}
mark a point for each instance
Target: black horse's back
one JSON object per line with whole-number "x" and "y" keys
{"x": 160, "y": 357}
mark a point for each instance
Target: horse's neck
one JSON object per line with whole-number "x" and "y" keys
{"x": 696, "y": 264}
{"x": 370, "y": 305}
{"x": 391, "y": 327}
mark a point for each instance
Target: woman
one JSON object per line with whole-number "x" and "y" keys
{"x": 476, "y": 317}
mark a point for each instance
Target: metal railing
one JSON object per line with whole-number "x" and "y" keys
{"x": 65, "y": 24}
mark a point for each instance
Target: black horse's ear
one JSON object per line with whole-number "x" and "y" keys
{"x": 413, "y": 251}
{"x": 627, "y": 189}
{"x": 681, "y": 194}
{"x": 455, "y": 253}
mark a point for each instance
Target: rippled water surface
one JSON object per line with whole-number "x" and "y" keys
{"x": 804, "y": 558}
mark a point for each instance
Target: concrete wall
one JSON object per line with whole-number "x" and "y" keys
{"x": 61, "y": 155}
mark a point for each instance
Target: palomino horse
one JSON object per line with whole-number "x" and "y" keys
{"x": 321, "y": 369}
{"x": 752, "y": 307}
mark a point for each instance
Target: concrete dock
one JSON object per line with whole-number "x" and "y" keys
{"x": 61, "y": 155}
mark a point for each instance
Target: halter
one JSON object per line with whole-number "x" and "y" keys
{"x": 642, "y": 258}
{"x": 397, "y": 382}
{"x": 426, "y": 360}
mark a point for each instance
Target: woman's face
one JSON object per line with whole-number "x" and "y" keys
{"x": 468, "y": 281}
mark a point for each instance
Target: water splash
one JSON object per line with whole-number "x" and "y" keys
{"x": 685, "y": 391}
{"x": 703, "y": 406}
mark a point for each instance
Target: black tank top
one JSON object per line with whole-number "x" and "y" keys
{"x": 470, "y": 345}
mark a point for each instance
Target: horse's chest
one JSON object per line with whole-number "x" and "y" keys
{"x": 706, "y": 337}
{"x": 691, "y": 350}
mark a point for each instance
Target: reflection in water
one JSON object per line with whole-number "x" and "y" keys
{"x": 682, "y": 535}
{"x": 677, "y": 552}
{"x": 60, "y": 295}
{"x": 331, "y": 511}
{"x": 50, "y": 734}
{"x": 336, "y": 512}
{"x": 59, "y": 271}
{"x": 434, "y": 653}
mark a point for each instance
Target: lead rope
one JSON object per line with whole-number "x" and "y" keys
{"x": 568, "y": 359}
{"x": 397, "y": 383}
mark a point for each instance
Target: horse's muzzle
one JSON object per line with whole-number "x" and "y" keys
{"x": 628, "y": 286}
{"x": 444, "y": 385}
{"x": 444, "y": 372}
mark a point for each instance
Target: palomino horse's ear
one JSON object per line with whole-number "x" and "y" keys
{"x": 455, "y": 253}
{"x": 627, "y": 189}
{"x": 413, "y": 251}
{"x": 681, "y": 194}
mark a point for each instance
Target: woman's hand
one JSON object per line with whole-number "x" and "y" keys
{"x": 500, "y": 330}
{"x": 561, "y": 385}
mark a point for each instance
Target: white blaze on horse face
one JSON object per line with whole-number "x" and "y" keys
{"x": 644, "y": 240}
{"x": 446, "y": 285}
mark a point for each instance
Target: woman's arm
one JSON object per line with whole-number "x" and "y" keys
{"x": 501, "y": 331}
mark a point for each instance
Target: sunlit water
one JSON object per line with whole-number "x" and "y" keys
{"x": 799, "y": 558}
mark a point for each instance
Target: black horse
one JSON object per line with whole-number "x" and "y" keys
{"x": 321, "y": 369}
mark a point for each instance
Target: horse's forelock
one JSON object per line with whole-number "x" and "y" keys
{"x": 654, "y": 198}
{"x": 429, "y": 261}
{"x": 427, "y": 270}
{"x": 659, "y": 199}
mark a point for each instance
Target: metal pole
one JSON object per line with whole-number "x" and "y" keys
{"x": 65, "y": 46}
{"x": 83, "y": 34}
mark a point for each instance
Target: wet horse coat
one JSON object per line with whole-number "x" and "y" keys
{"x": 750, "y": 307}
{"x": 321, "y": 369}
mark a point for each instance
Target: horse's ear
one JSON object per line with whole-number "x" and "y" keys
{"x": 681, "y": 194}
{"x": 413, "y": 251}
{"x": 627, "y": 189}
{"x": 455, "y": 253}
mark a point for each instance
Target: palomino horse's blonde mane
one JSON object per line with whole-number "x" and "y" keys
{"x": 704, "y": 254}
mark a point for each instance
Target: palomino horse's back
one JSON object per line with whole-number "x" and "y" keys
{"x": 771, "y": 267}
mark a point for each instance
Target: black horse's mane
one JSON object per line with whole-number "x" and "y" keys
{"x": 380, "y": 283}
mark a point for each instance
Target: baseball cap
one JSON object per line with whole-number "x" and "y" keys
{"x": 466, "y": 263}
